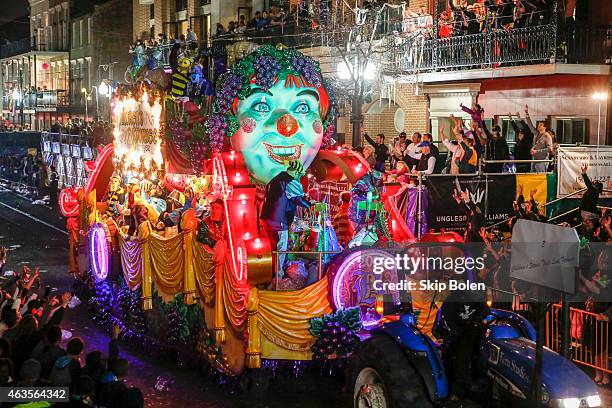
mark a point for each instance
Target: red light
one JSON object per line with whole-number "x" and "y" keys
{"x": 359, "y": 165}
{"x": 243, "y": 202}
{"x": 339, "y": 148}
{"x": 45, "y": 65}
{"x": 247, "y": 235}
{"x": 237, "y": 176}
{"x": 232, "y": 152}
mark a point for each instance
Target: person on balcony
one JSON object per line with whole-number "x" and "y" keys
{"x": 524, "y": 141}
{"x": 542, "y": 144}
{"x": 496, "y": 149}
{"x": 460, "y": 24}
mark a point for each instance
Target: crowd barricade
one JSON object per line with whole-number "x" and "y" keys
{"x": 589, "y": 337}
{"x": 67, "y": 154}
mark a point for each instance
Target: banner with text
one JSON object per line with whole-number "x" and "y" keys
{"x": 569, "y": 160}
{"x": 493, "y": 194}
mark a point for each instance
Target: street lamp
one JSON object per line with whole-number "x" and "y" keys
{"x": 104, "y": 89}
{"x": 358, "y": 73}
{"x": 87, "y": 98}
{"x": 599, "y": 97}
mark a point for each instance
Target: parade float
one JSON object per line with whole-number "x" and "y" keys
{"x": 271, "y": 108}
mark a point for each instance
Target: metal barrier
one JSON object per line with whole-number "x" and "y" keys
{"x": 589, "y": 337}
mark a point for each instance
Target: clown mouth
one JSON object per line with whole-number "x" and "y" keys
{"x": 280, "y": 154}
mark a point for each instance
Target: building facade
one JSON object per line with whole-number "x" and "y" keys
{"x": 100, "y": 38}
{"x": 34, "y": 70}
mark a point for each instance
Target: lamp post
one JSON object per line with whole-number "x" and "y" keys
{"x": 87, "y": 96}
{"x": 357, "y": 73}
{"x": 106, "y": 89}
{"x": 599, "y": 97}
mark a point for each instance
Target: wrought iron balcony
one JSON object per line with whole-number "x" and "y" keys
{"x": 519, "y": 46}
{"x": 37, "y": 100}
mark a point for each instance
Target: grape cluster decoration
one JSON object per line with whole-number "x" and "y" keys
{"x": 336, "y": 333}
{"x": 266, "y": 69}
{"x": 267, "y": 65}
{"x": 198, "y": 148}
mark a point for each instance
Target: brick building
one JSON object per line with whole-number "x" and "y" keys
{"x": 34, "y": 69}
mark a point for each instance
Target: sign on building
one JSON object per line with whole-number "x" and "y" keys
{"x": 569, "y": 160}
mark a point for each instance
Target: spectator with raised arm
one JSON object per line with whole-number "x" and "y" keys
{"x": 524, "y": 142}
{"x": 380, "y": 149}
{"x": 542, "y": 144}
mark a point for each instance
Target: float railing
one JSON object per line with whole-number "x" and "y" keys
{"x": 319, "y": 258}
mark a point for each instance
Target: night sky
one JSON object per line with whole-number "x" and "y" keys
{"x": 12, "y": 9}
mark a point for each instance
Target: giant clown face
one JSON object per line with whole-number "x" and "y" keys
{"x": 280, "y": 124}
{"x": 274, "y": 107}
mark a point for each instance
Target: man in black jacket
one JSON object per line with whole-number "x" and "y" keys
{"x": 380, "y": 149}
{"x": 496, "y": 149}
{"x": 284, "y": 194}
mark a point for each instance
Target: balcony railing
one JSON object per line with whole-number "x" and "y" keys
{"x": 491, "y": 49}
{"x": 25, "y": 45}
{"x": 400, "y": 55}
{"x": 15, "y": 48}
{"x": 41, "y": 100}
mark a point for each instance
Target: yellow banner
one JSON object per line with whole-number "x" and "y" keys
{"x": 533, "y": 182}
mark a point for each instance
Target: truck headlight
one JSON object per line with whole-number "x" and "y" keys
{"x": 590, "y": 401}
{"x": 571, "y": 402}
{"x": 593, "y": 400}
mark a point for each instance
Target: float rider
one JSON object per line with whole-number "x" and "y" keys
{"x": 283, "y": 195}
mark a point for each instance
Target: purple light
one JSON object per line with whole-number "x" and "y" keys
{"x": 346, "y": 268}
{"x": 98, "y": 251}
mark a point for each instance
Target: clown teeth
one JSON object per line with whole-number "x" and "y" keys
{"x": 280, "y": 154}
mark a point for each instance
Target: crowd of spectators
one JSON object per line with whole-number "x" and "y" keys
{"x": 34, "y": 351}
{"x": 473, "y": 148}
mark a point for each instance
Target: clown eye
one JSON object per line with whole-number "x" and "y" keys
{"x": 302, "y": 108}
{"x": 261, "y": 107}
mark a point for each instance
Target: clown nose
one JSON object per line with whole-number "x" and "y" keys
{"x": 287, "y": 125}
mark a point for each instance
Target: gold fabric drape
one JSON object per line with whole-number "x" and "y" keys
{"x": 284, "y": 316}
{"x": 131, "y": 260}
{"x": 204, "y": 271}
{"x": 168, "y": 264}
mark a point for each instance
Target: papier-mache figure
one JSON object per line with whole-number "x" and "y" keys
{"x": 284, "y": 194}
{"x": 213, "y": 228}
{"x": 201, "y": 90}
{"x": 274, "y": 107}
{"x": 181, "y": 69}
{"x": 114, "y": 197}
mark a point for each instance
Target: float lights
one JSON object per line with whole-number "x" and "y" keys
{"x": 232, "y": 152}
{"x": 243, "y": 202}
{"x": 600, "y": 96}
{"x": 359, "y": 165}
{"x": 16, "y": 95}
{"x": 247, "y": 235}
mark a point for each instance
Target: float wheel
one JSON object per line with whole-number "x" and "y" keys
{"x": 380, "y": 376}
